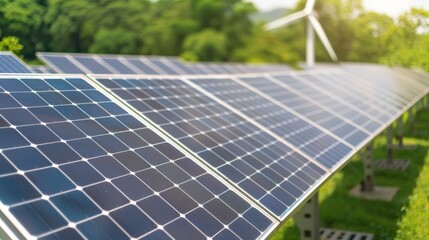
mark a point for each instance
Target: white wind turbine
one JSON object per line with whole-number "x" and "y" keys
{"x": 312, "y": 25}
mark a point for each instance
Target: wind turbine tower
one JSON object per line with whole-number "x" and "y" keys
{"x": 313, "y": 25}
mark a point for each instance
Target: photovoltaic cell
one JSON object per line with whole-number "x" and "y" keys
{"x": 393, "y": 88}
{"x": 9, "y": 63}
{"x": 351, "y": 92}
{"x": 119, "y": 66}
{"x": 303, "y": 135}
{"x": 42, "y": 69}
{"x": 129, "y": 64}
{"x": 93, "y": 65}
{"x": 309, "y": 109}
{"x": 266, "y": 169}
{"x": 62, "y": 64}
{"x": 76, "y": 165}
{"x": 166, "y": 69}
{"x": 333, "y": 105}
{"x": 144, "y": 67}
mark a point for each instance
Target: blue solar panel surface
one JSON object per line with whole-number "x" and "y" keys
{"x": 395, "y": 90}
{"x": 304, "y": 135}
{"x": 75, "y": 165}
{"x": 10, "y": 64}
{"x": 93, "y": 65}
{"x": 128, "y": 64}
{"x": 312, "y": 111}
{"x": 265, "y": 168}
{"x": 63, "y": 65}
{"x": 328, "y": 101}
{"x": 41, "y": 69}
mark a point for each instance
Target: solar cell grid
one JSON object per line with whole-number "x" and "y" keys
{"x": 382, "y": 93}
{"x": 350, "y": 90}
{"x": 9, "y": 63}
{"x": 303, "y": 135}
{"x": 42, "y": 69}
{"x": 414, "y": 75}
{"x": 312, "y": 111}
{"x": 143, "y": 66}
{"x": 104, "y": 174}
{"x": 92, "y": 64}
{"x": 119, "y": 65}
{"x": 263, "y": 167}
{"x": 131, "y": 64}
{"x": 337, "y": 107}
{"x": 62, "y": 65}
{"x": 393, "y": 86}
{"x": 164, "y": 66}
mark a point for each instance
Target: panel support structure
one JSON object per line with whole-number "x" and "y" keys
{"x": 367, "y": 188}
{"x": 390, "y": 163}
{"x": 411, "y": 119}
{"x": 400, "y": 136}
{"x": 368, "y": 181}
{"x": 307, "y": 219}
{"x": 427, "y": 102}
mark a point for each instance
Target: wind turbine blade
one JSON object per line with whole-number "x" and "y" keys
{"x": 309, "y": 6}
{"x": 322, "y": 35}
{"x": 287, "y": 20}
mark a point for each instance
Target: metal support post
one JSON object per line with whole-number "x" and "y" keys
{"x": 426, "y": 103}
{"x": 400, "y": 131}
{"x": 389, "y": 144}
{"x": 390, "y": 163}
{"x": 368, "y": 181}
{"x": 307, "y": 219}
{"x": 411, "y": 119}
{"x": 367, "y": 189}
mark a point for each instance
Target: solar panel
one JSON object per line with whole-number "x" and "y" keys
{"x": 273, "y": 173}
{"x": 302, "y": 85}
{"x": 74, "y": 164}
{"x": 110, "y": 64}
{"x": 316, "y": 142}
{"x": 365, "y": 94}
{"x": 91, "y": 64}
{"x": 9, "y": 63}
{"x": 129, "y": 64}
{"x": 41, "y": 69}
{"x": 312, "y": 110}
{"x": 399, "y": 89}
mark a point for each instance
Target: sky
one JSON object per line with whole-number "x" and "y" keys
{"x": 391, "y": 7}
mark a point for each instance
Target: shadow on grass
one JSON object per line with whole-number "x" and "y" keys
{"x": 339, "y": 211}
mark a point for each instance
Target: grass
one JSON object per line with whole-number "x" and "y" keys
{"x": 406, "y": 217}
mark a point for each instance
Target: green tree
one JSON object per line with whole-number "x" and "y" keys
{"x": 409, "y": 40}
{"x": 207, "y": 45}
{"x": 24, "y": 19}
{"x": 69, "y": 25}
{"x": 11, "y": 44}
{"x": 113, "y": 41}
{"x": 371, "y": 36}
{"x": 266, "y": 47}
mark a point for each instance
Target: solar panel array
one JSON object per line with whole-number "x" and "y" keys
{"x": 128, "y": 64}
{"x": 272, "y": 172}
{"x": 9, "y": 63}
{"x": 241, "y": 126}
{"x": 76, "y": 165}
{"x": 42, "y": 69}
{"x": 182, "y": 157}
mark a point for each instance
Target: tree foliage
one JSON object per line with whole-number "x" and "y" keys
{"x": 211, "y": 30}
{"x": 11, "y": 44}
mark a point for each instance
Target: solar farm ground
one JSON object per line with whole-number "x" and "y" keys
{"x": 406, "y": 217}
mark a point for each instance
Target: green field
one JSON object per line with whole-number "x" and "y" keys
{"x": 406, "y": 217}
